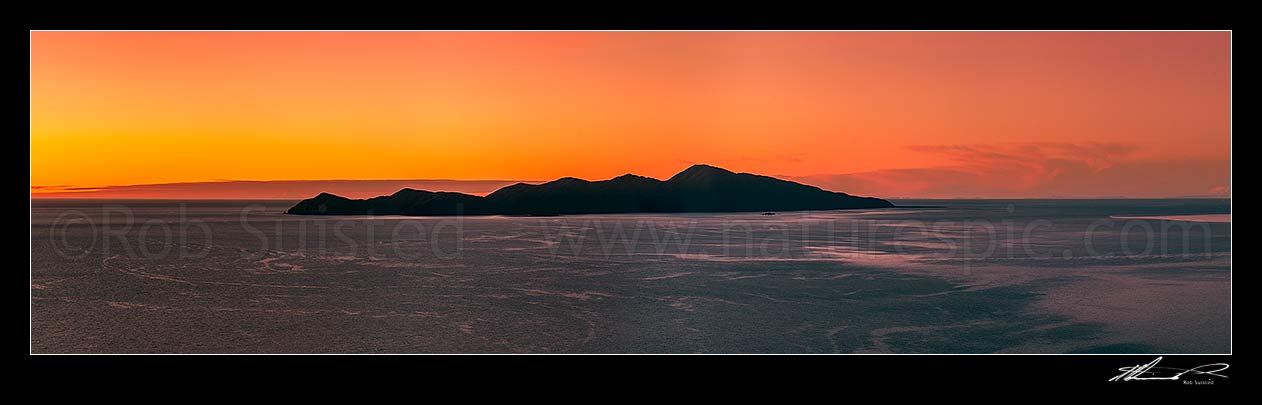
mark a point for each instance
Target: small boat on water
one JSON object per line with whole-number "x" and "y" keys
{"x": 769, "y": 213}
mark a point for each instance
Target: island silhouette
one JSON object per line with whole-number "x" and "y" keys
{"x": 700, "y": 188}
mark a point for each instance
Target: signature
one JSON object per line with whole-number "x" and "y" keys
{"x": 1150, "y": 371}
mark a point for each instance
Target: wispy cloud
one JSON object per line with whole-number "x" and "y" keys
{"x": 1019, "y": 170}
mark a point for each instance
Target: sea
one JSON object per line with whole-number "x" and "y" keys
{"x": 933, "y": 276}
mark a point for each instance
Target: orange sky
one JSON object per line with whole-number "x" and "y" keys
{"x": 895, "y": 114}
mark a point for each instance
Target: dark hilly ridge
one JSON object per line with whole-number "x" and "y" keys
{"x": 700, "y": 188}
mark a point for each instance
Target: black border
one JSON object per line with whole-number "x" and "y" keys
{"x": 730, "y": 373}
{"x": 843, "y": 16}
{"x": 963, "y": 375}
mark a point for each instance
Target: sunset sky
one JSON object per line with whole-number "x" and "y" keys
{"x": 888, "y": 114}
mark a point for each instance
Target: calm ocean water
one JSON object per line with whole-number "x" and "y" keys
{"x": 943, "y": 276}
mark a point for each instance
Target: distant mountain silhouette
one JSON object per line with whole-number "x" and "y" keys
{"x": 700, "y": 188}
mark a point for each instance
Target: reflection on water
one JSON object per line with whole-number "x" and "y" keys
{"x": 1189, "y": 218}
{"x": 980, "y": 276}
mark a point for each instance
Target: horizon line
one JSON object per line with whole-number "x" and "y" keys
{"x": 74, "y": 188}
{"x": 66, "y": 196}
{"x": 367, "y": 188}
